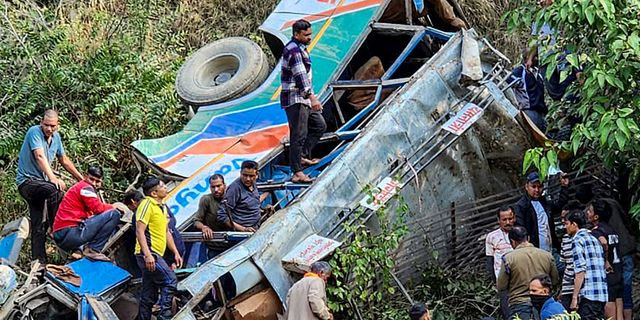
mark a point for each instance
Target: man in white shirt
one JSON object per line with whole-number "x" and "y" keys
{"x": 496, "y": 246}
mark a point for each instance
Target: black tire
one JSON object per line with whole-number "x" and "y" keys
{"x": 222, "y": 70}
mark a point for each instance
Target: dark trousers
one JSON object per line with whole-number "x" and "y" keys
{"x": 36, "y": 192}
{"x": 305, "y": 129}
{"x": 590, "y": 310}
{"x": 94, "y": 232}
{"x": 163, "y": 279}
{"x": 538, "y": 119}
{"x": 565, "y": 300}
{"x": 504, "y": 303}
{"x": 627, "y": 281}
{"x": 524, "y": 311}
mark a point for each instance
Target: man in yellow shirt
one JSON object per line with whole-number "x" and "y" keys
{"x": 153, "y": 237}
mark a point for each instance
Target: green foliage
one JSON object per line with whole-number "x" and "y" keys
{"x": 540, "y": 159}
{"x": 363, "y": 268}
{"x": 603, "y": 39}
{"x": 363, "y": 278}
{"x": 94, "y": 70}
{"x": 109, "y": 68}
{"x": 457, "y": 293}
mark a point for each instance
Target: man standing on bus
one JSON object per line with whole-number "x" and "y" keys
{"x": 304, "y": 110}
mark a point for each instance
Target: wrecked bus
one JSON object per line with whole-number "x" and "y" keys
{"x": 400, "y": 101}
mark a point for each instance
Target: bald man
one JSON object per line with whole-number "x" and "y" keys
{"x": 36, "y": 181}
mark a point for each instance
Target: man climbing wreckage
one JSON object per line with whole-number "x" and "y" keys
{"x": 394, "y": 138}
{"x": 83, "y": 220}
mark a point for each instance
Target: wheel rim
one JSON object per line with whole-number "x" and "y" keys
{"x": 217, "y": 71}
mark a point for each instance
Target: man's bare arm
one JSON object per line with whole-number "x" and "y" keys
{"x": 172, "y": 246}
{"x": 43, "y": 164}
{"x": 68, "y": 165}
{"x": 144, "y": 248}
{"x": 577, "y": 285}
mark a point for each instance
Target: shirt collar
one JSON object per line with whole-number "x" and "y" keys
{"x": 524, "y": 245}
{"x": 154, "y": 201}
{"x": 300, "y": 44}
{"x": 581, "y": 231}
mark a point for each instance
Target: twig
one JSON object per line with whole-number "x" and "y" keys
{"x": 5, "y": 15}
{"x": 39, "y": 11}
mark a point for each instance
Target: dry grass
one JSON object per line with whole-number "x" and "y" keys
{"x": 485, "y": 16}
{"x": 188, "y": 24}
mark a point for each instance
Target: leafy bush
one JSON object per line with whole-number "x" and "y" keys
{"x": 601, "y": 39}
{"x": 363, "y": 268}
{"x": 109, "y": 68}
{"x": 364, "y": 285}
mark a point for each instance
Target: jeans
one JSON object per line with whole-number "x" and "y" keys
{"x": 504, "y": 303}
{"x": 538, "y": 119}
{"x": 305, "y": 129}
{"x": 36, "y": 192}
{"x": 94, "y": 232}
{"x": 523, "y": 310}
{"x": 590, "y": 310}
{"x": 627, "y": 278}
{"x": 163, "y": 279}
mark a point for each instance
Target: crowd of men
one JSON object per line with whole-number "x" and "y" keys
{"x": 591, "y": 264}
{"x": 590, "y": 268}
{"x": 81, "y": 223}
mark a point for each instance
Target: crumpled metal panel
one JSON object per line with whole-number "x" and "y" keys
{"x": 366, "y": 161}
{"x": 275, "y": 234}
{"x": 404, "y": 122}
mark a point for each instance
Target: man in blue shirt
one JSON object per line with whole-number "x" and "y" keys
{"x": 540, "y": 295}
{"x": 240, "y": 209}
{"x": 36, "y": 180}
{"x": 306, "y": 124}
{"x": 590, "y": 292}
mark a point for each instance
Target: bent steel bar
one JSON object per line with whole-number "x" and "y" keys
{"x": 402, "y": 124}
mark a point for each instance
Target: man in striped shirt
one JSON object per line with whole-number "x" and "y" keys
{"x": 566, "y": 255}
{"x": 590, "y": 291}
{"x": 306, "y": 124}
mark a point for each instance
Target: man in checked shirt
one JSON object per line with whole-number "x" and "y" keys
{"x": 304, "y": 111}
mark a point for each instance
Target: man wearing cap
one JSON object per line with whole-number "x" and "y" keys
{"x": 535, "y": 213}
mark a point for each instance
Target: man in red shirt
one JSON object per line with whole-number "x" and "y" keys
{"x": 83, "y": 219}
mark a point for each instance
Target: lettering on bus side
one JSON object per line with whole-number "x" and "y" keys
{"x": 194, "y": 190}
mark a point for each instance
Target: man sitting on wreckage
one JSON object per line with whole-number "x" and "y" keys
{"x": 240, "y": 209}
{"x": 83, "y": 219}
